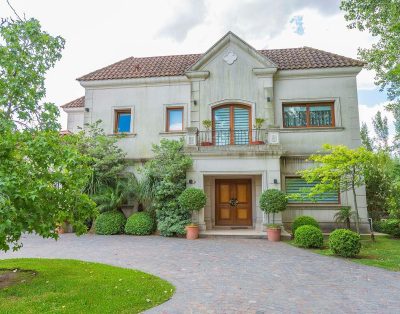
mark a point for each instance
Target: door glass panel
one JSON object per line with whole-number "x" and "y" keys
{"x": 222, "y": 120}
{"x": 241, "y": 125}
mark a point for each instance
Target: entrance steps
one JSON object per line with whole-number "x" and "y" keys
{"x": 238, "y": 233}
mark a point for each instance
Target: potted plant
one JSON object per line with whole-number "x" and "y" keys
{"x": 257, "y": 126}
{"x": 207, "y": 125}
{"x": 60, "y": 228}
{"x": 273, "y": 201}
{"x": 192, "y": 199}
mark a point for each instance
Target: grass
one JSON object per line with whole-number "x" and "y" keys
{"x": 71, "y": 286}
{"x": 383, "y": 253}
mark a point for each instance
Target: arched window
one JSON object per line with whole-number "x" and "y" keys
{"x": 231, "y": 125}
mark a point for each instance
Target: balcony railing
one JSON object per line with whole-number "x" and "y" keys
{"x": 222, "y": 137}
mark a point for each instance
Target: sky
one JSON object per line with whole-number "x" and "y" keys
{"x": 101, "y": 32}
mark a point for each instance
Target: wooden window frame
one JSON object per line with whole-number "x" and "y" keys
{"x": 231, "y": 122}
{"x": 117, "y": 113}
{"x": 308, "y": 105}
{"x": 168, "y": 109}
{"x": 339, "y": 202}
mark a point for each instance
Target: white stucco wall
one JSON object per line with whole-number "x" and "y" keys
{"x": 75, "y": 118}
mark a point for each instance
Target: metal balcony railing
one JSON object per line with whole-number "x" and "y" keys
{"x": 222, "y": 137}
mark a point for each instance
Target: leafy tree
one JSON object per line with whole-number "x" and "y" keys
{"x": 365, "y": 139}
{"x": 108, "y": 159}
{"x": 167, "y": 174}
{"x": 273, "y": 201}
{"x": 381, "y": 130}
{"x": 26, "y": 54}
{"x": 339, "y": 168}
{"x": 381, "y": 19}
{"x": 42, "y": 177}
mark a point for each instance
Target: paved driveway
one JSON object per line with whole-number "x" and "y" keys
{"x": 235, "y": 275}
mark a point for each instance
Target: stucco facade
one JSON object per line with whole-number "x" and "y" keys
{"x": 233, "y": 73}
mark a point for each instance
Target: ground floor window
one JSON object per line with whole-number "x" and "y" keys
{"x": 296, "y": 188}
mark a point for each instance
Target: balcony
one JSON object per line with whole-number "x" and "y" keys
{"x": 233, "y": 141}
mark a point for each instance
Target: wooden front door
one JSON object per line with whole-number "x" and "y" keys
{"x": 233, "y": 205}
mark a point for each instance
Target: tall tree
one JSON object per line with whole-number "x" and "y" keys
{"x": 365, "y": 138}
{"x": 381, "y": 19}
{"x": 338, "y": 169}
{"x": 381, "y": 130}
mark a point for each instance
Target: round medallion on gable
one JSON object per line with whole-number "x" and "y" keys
{"x": 230, "y": 57}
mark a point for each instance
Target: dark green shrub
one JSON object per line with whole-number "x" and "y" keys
{"x": 379, "y": 226}
{"x": 304, "y": 221}
{"x": 140, "y": 224}
{"x": 111, "y": 222}
{"x": 344, "y": 243}
{"x": 391, "y": 226}
{"x": 273, "y": 201}
{"x": 192, "y": 199}
{"x": 309, "y": 237}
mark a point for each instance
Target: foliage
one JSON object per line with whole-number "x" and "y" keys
{"x": 259, "y": 123}
{"x": 207, "y": 124}
{"x": 192, "y": 199}
{"x": 381, "y": 130}
{"x": 391, "y": 226}
{"x": 80, "y": 287}
{"x": 42, "y": 178}
{"x": 365, "y": 138}
{"x": 26, "y": 54}
{"x": 108, "y": 159}
{"x": 140, "y": 224}
{"x": 308, "y": 237}
{"x": 344, "y": 216}
{"x": 304, "y": 221}
{"x": 166, "y": 173}
{"x": 341, "y": 169}
{"x": 273, "y": 201}
{"x": 111, "y": 222}
{"x": 344, "y": 243}
{"x": 381, "y": 20}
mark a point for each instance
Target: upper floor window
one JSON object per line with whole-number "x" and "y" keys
{"x": 123, "y": 121}
{"x": 308, "y": 115}
{"x": 174, "y": 119}
{"x": 297, "y": 191}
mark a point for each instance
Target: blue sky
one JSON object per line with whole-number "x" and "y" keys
{"x": 99, "y": 33}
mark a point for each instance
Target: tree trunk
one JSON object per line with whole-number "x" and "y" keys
{"x": 356, "y": 208}
{"x": 348, "y": 223}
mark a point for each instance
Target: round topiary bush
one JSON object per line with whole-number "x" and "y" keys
{"x": 273, "y": 201}
{"x": 140, "y": 224}
{"x": 192, "y": 199}
{"x": 344, "y": 242}
{"x": 308, "y": 237}
{"x": 304, "y": 221}
{"x": 112, "y": 222}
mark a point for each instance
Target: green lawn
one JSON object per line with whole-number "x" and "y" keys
{"x": 384, "y": 252}
{"x": 71, "y": 286}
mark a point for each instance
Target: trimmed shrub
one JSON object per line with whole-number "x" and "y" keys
{"x": 344, "y": 242}
{"x": 391, "y": 226}
{"x": 273, "y": 201}
{"x": 140, "y": 224}
{"x": 308, "y": 237}
{"x": 111, "y": 222}
{"x": 304, "y": 221}
{"x": 192, "y": 199}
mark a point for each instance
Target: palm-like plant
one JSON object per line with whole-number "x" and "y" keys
{"x": 344, "y": 216}
{"x": 111, "y": 198}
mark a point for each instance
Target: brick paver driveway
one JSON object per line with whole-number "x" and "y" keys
{"x": 235, "y": 275}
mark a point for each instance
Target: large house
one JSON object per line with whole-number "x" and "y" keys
{"x": 307, "y": 97}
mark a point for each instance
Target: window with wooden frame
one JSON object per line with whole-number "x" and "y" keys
{"x": 122, "y": 122}
{"x": 174, "y": 119}
{"x": 312, "y": 115}
{"x": 297, "y": 190}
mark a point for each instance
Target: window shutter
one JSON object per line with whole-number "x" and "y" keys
{"x": 300, "y": 187}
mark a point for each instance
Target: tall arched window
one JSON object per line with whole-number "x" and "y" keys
{"x": 231, "y": 125}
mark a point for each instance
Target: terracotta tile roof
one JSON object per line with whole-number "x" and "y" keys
{"x": 286, "y": 59}
{"x": 77, "y": 103}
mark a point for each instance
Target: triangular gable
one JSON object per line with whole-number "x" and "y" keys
{"x": 222, "y": 43}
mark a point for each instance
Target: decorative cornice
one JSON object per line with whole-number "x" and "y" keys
{"x": 197, "y": 74}
{"x": 264, "y": 71}
{"x": 321, "y": 72}
{"x": 148, "y": 81}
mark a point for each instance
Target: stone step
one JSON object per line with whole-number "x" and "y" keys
{"x": 237, "y": 233}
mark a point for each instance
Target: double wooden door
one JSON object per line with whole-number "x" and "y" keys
{"x": 233, "y": 204}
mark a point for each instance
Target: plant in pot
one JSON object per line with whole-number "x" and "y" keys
{"x": 257, "y": 127}
{"x": 273, "y": 201}
{"x": 192, "y": 199}
{"x": 206, "y": 141}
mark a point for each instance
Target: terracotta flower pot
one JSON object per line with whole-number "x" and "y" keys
{"x": 192, "y": 232}
{"x": 60, "y": 230}
{"x": 206, "y": 144}
{"x": 274, "y": 234}
{"x": 257, "y": 142}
